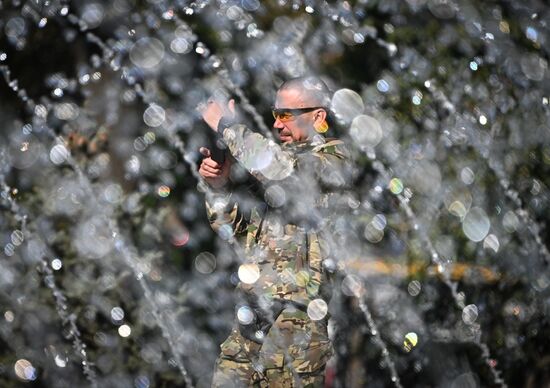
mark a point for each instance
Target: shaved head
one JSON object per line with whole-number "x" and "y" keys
{"x": 312, "y": 90}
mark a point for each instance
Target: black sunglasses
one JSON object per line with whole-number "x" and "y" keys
{"x": 285, "y": 114}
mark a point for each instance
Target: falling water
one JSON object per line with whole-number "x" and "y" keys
{"x": 411, "y": 119}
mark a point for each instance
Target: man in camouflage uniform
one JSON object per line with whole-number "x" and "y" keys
{"x": 279, "y": 338}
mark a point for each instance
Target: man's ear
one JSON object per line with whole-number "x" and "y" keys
{"x": 320, "y": 115}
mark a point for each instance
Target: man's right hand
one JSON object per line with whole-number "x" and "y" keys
{"x": 214, "y": 173}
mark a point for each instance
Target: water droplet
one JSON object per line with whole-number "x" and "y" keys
{"x": 61, "y": 361}
{"x": 92, "y": 15}
{"x": 179, "y": 236}
{"x": 56, "y": 264}
{"x": 379, "y": 222}
{"x": 9, "y": 316}
{"x": 205, "y": 262}
{"x": 417, "y": 98}
{"x": 510, "y": 221}
{"x": 383, "y": 86}
{"x": 366, "y": 131}
{"x": 17, "y": 237}
{"x": 373, "y": 234}
{"x": 117, "y": 314}
{"x": 396, "y": 186}
{"x": 245, "y": 315}
{"x": 346, "y": 104}
{"x": 491, "y": 242}
{"x": 411, "y": 340}
{"x": 414, "y": 288}
{"x": 317, "y": 309}
{"x": 59, "y": 154}
{"x": 260, "y": 335}
{"x": 140, "y": 144}
{"x": 476, "y": 224}
{"x": 147, "y": 53}
{"x": 142, "y": 382}
{"x": 15, "y": 28}
{"x": 66, "y": 111}
{"x": 25, "y": 370}
{"x": 154, "y": 115}
{"x": 467, "y": 175}
{"x": 249, "y": 273}
{"x": 250, "y": 5}
{"x": 57, "y": 92}
{"x": 113, "y": 193}
{"x": 469, "y": 314}
{"x": 124, "y": 331}
{"x": 531, "y": 34}
{"x": 181, "y": 46}
{"x": 163, "y": 191}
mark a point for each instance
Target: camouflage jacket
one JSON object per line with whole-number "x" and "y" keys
{"x": 284, "y": 235}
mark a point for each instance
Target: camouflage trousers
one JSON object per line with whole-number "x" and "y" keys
{"x": 294, "y": 354}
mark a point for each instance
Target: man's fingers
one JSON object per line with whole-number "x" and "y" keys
{"x": 205, "y": 172}
{"x": 212, "y": 170}
{"x": 231, "y": 106}
{"x": 211, "y": 162}
{"x": 205, "y": 151}
{"x": 209, "y": 175}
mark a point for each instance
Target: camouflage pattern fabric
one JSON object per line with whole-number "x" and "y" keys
{"x": 286, "y": 243}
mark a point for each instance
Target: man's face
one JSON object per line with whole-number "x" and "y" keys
{"x": 297, "y": 127}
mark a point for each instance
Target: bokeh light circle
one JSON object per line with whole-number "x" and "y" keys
{"x": 249, "y": 273}
{"x": 346, "y": 104}
{"x": 205, "y": 262}
{"x": 59, "y": 154}
{"x": 154, "y": 115}
{"x": 25, "y": 370}
{"x": 317, "y": 309}
{"x": 470, "y": 314}
{"x": 147, "y": 52}
{"x": 476, "y": 224}
{"x": 245, "y": 315}
{"x": 366, "y": 131}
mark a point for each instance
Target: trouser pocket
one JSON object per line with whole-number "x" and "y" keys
{"x": 236, "y": 365}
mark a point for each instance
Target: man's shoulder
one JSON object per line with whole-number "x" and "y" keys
{"x": 332, "y": 146}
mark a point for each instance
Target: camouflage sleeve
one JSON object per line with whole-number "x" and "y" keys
{"x": 224, "y": 214}
{"x": 261, "y": 157}
{"x": 268, "y": 161}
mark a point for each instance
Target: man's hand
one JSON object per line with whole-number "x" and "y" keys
{"x": 214, "y": 173}
{"x": 215, "y": 110}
